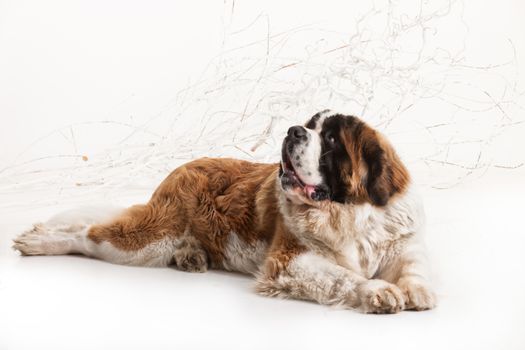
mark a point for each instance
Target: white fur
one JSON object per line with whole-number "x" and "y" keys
{"x": 156, "y": 254}
{"x": 312, "y": 277}
{"x": 322, "y": 116}
{"x": 376, "y": 230}
{"x": 309, "y": 153}
{"x": 85, "y": 215}
{"x": 306, "y": 157}
{"x": 243, "y": 257}
{"x": 379, "y": 249}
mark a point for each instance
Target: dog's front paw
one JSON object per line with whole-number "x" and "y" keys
{"x": 381, "y": 297}
{"x": 419, "y": 295}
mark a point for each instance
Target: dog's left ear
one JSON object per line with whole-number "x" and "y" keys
{"x": 386, "y": 175}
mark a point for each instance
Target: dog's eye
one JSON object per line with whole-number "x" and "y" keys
{"x": 329, "y": 137}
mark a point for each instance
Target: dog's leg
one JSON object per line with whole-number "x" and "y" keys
{"x": 64, "y": 233}
{"x": 410, "y": 272}
{"x": 51, "y": 239}
{"x": 311, "y": 277}
{"x": 135, "y": 237}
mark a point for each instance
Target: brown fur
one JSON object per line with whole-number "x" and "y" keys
{"x": 375, "y": 172}
{"x": 284, "y": 248}
{"x": 208, "y": 199}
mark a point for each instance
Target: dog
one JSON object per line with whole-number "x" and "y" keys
{"x": 337, "y": 221}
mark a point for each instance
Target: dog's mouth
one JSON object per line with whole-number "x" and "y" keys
{"x": 290, "y": 172}
{"x": 290, "y": 178}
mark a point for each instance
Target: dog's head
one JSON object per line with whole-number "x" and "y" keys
{"x": 340, "y": 158}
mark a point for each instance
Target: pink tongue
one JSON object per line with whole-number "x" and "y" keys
{"x": 309, "y": 190}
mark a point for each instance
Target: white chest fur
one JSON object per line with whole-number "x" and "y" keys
{"x": 360, "y": 237}
{"x": 367, "y": 242}
{"x": 379, "y": 233}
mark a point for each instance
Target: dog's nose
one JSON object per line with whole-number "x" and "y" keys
{"x": 297, "y": 132}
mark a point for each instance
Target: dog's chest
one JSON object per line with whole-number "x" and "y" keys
{"x": 362, "y": 257}
{"x": 375, "y": 238}
{"x": 364, "y": 242}
{"x": 356, "y": 236}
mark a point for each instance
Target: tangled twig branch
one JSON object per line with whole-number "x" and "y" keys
{"x": 387, "y": 69}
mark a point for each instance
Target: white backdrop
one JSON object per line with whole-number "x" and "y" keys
{"x": 110, "y": 94}
{"x": 99, "y": 100}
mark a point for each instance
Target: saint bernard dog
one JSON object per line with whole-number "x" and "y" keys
{"x": 337, "y": 221}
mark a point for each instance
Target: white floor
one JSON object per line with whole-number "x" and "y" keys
{"x": 475, "y": 237}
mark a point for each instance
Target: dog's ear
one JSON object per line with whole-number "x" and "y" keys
{"x": 374, "y": 173}
{"x": 386, "y": 175}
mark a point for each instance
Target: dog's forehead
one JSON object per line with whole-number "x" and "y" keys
{"x": 316, "y": 122}
{"x": 328, "y": 121}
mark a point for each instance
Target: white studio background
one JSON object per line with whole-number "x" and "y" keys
{"x": 99, "y": 100}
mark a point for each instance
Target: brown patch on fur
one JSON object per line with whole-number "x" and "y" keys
{"x": 284, "y": 248}
{"x": 375, "y": 172}
{"x": 363, "y": 257}
{"x": 137, "y": 227}
{"x": 207, "y": 198}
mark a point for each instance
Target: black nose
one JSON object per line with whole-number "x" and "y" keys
{"x": 297, "y": 132}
